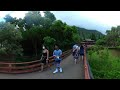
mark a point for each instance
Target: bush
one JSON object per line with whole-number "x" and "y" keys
{"x": 3, "y": 51}
{"x": 104, "y": 65}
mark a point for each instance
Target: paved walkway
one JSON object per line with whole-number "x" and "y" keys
{"x": 70, "y": 71}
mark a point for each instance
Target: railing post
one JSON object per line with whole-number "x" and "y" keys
{"x": 10, "y": 67}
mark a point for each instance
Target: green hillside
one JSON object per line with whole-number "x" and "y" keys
{"x": 85, "y": 33}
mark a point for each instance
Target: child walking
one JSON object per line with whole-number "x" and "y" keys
{"x": 57, "y": 53}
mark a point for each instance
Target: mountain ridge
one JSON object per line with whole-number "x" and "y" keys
{"x": 87, "y": 33}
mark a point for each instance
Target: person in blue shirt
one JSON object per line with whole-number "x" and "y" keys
{"x": 57, "y": 53}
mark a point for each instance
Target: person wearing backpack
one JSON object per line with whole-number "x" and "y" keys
{"x": 82, "y": 51}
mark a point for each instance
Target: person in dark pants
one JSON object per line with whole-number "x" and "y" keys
{"x": 73, "y": 49}
{"x": 44, "y": 58}
{"x": 82, "y": 51}
{"x": 76, "y": 54}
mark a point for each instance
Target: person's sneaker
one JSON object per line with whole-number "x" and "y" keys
{"x": 60, "y": 69}
{"x": 55, "y": 71}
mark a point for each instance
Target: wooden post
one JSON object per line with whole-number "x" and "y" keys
{"x": 10, "y": 67}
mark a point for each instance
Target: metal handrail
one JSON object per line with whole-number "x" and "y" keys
{"x": 27, "y": 66}
{"x": 87, "y": 70}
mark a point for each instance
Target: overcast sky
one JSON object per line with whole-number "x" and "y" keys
{"x": 99, "y": 20}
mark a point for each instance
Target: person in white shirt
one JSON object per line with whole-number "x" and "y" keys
{"x": 76, "y": 53}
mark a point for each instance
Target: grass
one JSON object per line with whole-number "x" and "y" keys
{"x": 104, "y": 65}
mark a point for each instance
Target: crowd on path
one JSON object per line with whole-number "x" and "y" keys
{"x": 77, "y": 51}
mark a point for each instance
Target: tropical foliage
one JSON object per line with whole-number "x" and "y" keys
{"x": 26, "y": 36}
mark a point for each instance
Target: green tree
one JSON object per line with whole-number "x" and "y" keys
{"x": 49, "y": 43}
{"x": 57, "y": 29}
{"x": 10, "y": 39}
{"x": 10, "y": 19}
{"x": 49, "y": 15}
{"x": 33, "y": 18}
{"x": 93, "y": 37}
{"x": 68, "y": 37}
{"x": 100, "y": 42}
{"x": 112, "y": 37}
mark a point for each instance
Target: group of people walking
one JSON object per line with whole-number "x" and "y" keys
{"x": 78, "y": 51}
{"x": 57, "y": 54}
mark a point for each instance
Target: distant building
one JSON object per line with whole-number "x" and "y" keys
{"x": 88, "y": 42}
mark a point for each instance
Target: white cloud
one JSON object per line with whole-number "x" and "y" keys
{"x": 3, "y": 13}
{"x": 100, "y": 20}
{"x": 18, "y": 14}
{"x": 103, "y": 19}
{"x": 21, "y": 14}
{"x": 108, "y": 18}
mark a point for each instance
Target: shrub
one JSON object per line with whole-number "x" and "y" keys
{"x": 104, "y": 65}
